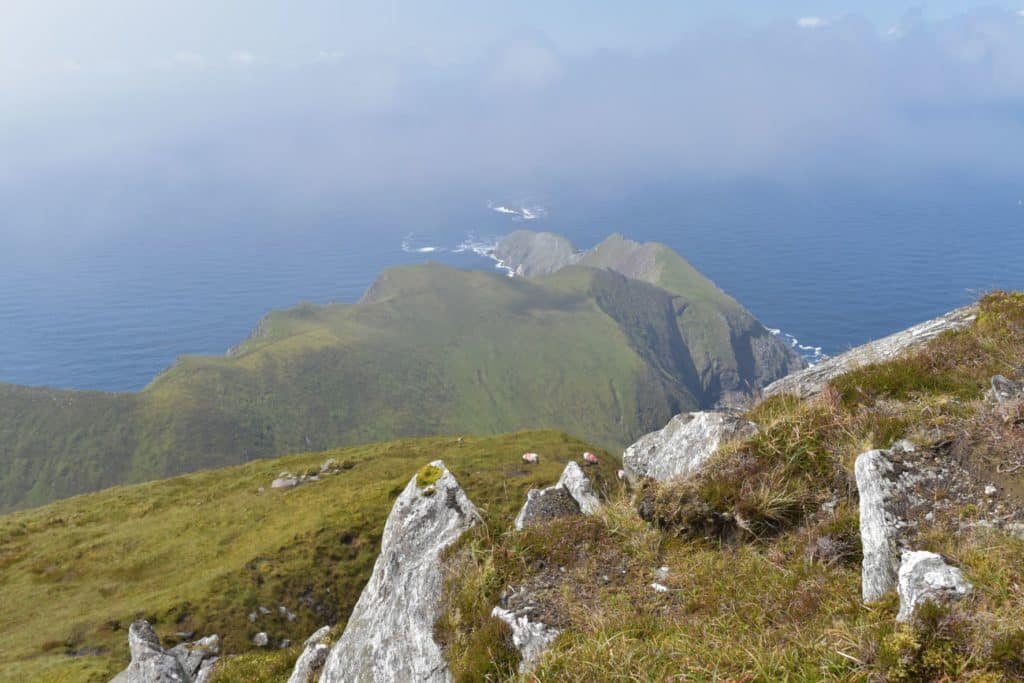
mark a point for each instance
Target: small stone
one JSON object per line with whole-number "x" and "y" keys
{"x": 252, "y": 617}
{"x": 260, "y": 639}
{"x": 659, "y": 587}
{"x": 1004, "y": 390}
{"x": 925, "y": 577}
{"x": 284, "y": 483}
{"x": 530, "y": 637}
{"x": 285, "y": 644}
{"x": 264, "y": 610}
{"x": 661, "y": 573}
{"x": 261, "y": 489}
{"x": 991, "y": 490}
{"x": 328, "y": 464}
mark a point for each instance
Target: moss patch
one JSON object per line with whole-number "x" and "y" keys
{"x": 428, "y": 474}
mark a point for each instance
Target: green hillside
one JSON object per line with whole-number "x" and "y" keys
{"x": 430, "y": 350}
{"x": 202, "y": 551}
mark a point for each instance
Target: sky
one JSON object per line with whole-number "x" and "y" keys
{"x": 115, "y": 111}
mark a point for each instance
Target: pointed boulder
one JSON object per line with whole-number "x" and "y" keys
{"x": 390, "y": 635}
{"x": 573, "y": 494}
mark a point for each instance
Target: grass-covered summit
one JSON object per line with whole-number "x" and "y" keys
{"x": 429, "y": 350}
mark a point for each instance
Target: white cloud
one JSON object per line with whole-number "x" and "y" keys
{"x": 243, "y": 58}
{"x": 811, "y": 22}
{"x": 184, "y": 60}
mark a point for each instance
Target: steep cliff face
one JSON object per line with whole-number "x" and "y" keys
{"x": 730, "y": 352}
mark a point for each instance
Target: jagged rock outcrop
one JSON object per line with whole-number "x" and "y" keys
{"x": 314, "y": 654}
{"x": 905, "y": 489}
{"x": 926, "y": 577}
{"x": 390, "y": 634}
{"x": 573, "y": 494}
{"x": 151, "y": 663}
{"x": 812, "y": 380}
{"x": 681, "y": 447}
{"x": 879, "y": 533}
{"x": 531, "y": 638}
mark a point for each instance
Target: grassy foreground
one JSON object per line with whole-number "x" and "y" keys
{"x": 763, "y": 549}
{"x": 203, "y": 551}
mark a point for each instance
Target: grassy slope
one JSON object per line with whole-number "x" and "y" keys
{"x": 434, "y": 351}
{"x": 202, "y": 551}
{"x": 754, "y": 595}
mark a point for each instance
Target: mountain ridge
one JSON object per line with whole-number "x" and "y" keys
{"x": 429, "y": 350}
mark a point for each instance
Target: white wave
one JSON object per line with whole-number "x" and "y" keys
{"x": 407, "y": 247}
{"x": 812, "y": 354}
{"x": 484, "y": 248}
{"x": 520, "y": 213}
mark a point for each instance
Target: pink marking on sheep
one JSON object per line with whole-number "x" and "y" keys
{"x": 531, "y": 458}
{"x": 590, "y": 458}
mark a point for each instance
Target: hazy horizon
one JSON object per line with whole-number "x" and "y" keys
{"x": 128, "y": 118}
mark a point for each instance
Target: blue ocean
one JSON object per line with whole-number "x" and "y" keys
{"x": 830, "y": 267}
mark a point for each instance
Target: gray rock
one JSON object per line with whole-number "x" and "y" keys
{"x": 545, "y": 504}
{"x": 683, "y": 445}
{"x": 579, "y": 487}
{"x": 812, "y": 380}
{"x": 329, "y": 464}
{"x": 531, "y": 638}
{"x": 314, "y": 654}
{"x": 925, "y": 577}
{"x": 260, "y": 639}
{"x": 878, "y": 528}
{"x": 390, "y": 634}
{"x": 573, "y": 494}
{"x": 1005, "y": 390}
{"x": 284, "y": 483}
{"x": 150, "y": 663}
